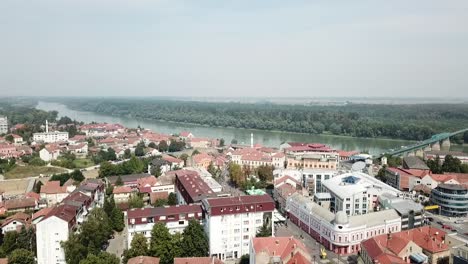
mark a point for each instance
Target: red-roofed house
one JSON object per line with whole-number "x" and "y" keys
{"x": 425, "y": 244}
{"x": 143, "y": 260}
{"x": 185, "y": 135}
{"x": 175, "y": 162}
{"x": 251, "y": 157}
{"x": 191, "y": 188}
{"x": 16, "y": 222}
{"x": 199, "y": 142}
{"x": 273, "y": 249}
{"x": 202, "y": 160}
{"x": 122, "y": 193}
{"x": 53, "y": 193}
{"x": 17, "y": 139}
{"x": 198, "y": 260}
{"x": 17, "y": 205}
{"x": 39, "y": 215}
{"x": 50, "y": 152}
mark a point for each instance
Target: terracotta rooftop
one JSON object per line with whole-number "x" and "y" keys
{"x": 429, "y": 238}
{"x": 52, "y": 187}
{"x": 122, "y": 189}
{"x": 19, "y": 203}
{"x": 277, "y": 246}
{"x": 198, "y": 260}
{"x": 42, "y": 212}
{"x": 239, "y": 200}
{"x": 143, "y": 260}
{"x": 193, "y": 184}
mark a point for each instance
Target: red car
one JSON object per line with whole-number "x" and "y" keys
{"x": 447, "y": 227}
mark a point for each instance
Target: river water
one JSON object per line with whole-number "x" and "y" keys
{"x": 266, "y": 138}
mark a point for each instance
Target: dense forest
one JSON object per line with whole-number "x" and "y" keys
{"x": 410, "y": 121}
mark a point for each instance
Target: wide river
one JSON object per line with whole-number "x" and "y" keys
{"x": 267, "y": 138}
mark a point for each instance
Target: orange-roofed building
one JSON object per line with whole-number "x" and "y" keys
{"x": 283, "y": 249}
{"x": 198, "y": 260}
{"x": 122, "y": 193}
{"x": 202, "y": 160}
{"x": 420, "y": 245}
{"x": 143, "y": 260}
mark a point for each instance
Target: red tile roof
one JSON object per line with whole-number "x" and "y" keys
{"x": 278, "y": 246}
{"x": 122, "y": 189}
{"x": 198, "y": 260}
{"x": 143, "y": 260}
{"x": 172, "y": 159}
{"x": 192, "y": 184}
{"x": 24, "y": 203}
{"x": 429, "y": 238}
{"x": 202, "y": 157}
{"x": 298, "y": 258}
{"x": 64, "y": 212}
{"x": 185, "y": 133}
{"x": 42, "y": 212}
{"x": 53, "y": 187}
{"x": 20, "y": 217}
{"x": 3, "y": 260}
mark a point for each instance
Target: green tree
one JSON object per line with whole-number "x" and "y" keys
{"x": 74, "y": 250}
{"x": 234, "y": 141}
{"x": 106, "y": 169}
{"x": 21, "y": 256}
{"x": 9, "y": 242}
{"x": 236, "y": 174}
{"x": 138, "y": 247}
{"x": 264, "y": 231}
{"x": 451, "y": 164}
{"x": 162, "y": 146}
{"x": 77, "y": 176}
{"x": 26, "y": 239}
{"x": 139, "y": 151}
{"x": 37, "y": 187}
{"x": 119, "y": 181}
{"x": 160, "y": 203}
{"x": 9, "y": 138}
{"x": 152, "y": 145}
{"x": 221, "y": 142}
{"x": 245, "y": 259}
{"x": 36, "y": 161}
{"x": 162, "y": 244}
{"x": 134, "y": 165}
{"x": 211, "y": 169}
{"x": 101, "y": 258}
{"x": 265, "y": 173}
{"x": 136, "y": 201}
{"x": 172, "y": 199}
{"x": 195, "y": 152}
{"x": 184, "y": 157}
{"x": 194, "y": 240}
{"x": 127, "y": 154}
{"x": 156, "y": 171}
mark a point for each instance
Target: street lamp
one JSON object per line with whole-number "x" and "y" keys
{"x": 314, "y": 259}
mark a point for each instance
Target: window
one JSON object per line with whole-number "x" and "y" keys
{"x": 181, "y": 222}
{"x": 348, "y": 199}
{"x": 246, "y": 237}
{"x": 246, "y": 222}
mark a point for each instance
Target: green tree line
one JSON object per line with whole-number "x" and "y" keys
{"x": 406, "y": 121}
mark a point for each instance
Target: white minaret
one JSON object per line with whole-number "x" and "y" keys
{"x": 46, "y": 126}
{"x": 251, "y": 140}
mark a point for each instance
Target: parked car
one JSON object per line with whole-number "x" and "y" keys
{"x": 440, "y": 223}
{"x": 447, "y": 227}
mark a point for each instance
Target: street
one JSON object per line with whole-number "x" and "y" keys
{"x": 312, "y": 245}
{"x": 119, "y": 243}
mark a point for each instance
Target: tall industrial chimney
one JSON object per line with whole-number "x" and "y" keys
{"x": 46, "y": 126}
{"x": 251, "y": 140}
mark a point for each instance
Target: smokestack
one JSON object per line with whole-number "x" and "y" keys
{"x": 46, "y": 126}
{"x": 251, "y": 140}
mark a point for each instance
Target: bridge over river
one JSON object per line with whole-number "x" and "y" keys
{"x": 434, "y": 143}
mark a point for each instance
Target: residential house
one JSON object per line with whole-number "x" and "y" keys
{"x": 175, "y": 162}
{"x": 17, "y": 205}
{"x": 122, "y": 194}
{"x": 49, "y": 153}
{"x": 186, "y": 135}
{"x": 419, "y": 245}
{"x": 278, "y": 250}
{"x": 16, "y": 222}
{"x": 53, "y": 193}
{"x": 202, "y": 160}
{"x": 198, "y": 260}
{"x": 143, "y": 260}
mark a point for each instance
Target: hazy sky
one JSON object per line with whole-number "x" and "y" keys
{"x": 234, "y": 48}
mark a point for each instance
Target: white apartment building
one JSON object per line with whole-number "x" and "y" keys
{"x": 355, "y": 193}
{"x": 61, "y": 220}
{"x": 3, "y": 125}
{"x": 231, "y": 222}
{"x": 50, "y": 137}
{"x": 338, "y": 232}
{"x": 313, "y": 178}
{"x": 176, "y": 218}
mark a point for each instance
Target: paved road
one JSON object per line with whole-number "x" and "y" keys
{"x": 312, "y": 245}
{"x": 119, "y": 243}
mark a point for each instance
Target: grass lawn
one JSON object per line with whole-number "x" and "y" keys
{"x": 83, "y": 163}
{"x": 31, "y": 171}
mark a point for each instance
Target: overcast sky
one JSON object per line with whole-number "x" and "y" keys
{"x": 234, "y": 48}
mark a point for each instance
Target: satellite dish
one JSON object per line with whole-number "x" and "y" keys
{"x": 358, "y": 166}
